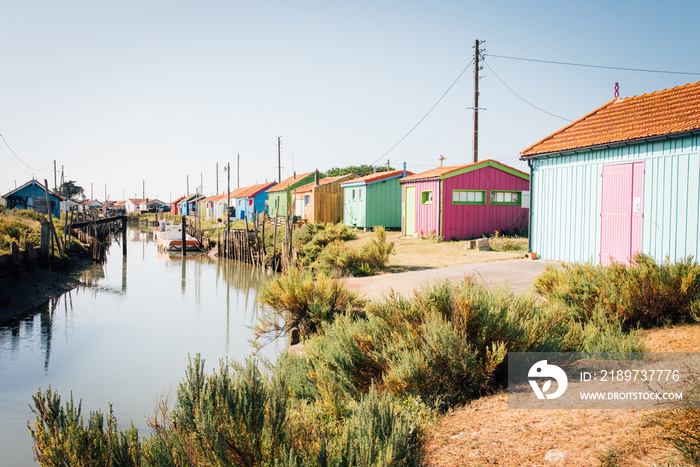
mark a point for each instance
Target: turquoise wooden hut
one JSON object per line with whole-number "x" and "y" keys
{"x": 622, "y": 179}
{"x": 373, "y": 200}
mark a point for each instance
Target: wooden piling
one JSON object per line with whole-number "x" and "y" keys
{"x": 124, "y": 236}
{"x": 184, "y": 235}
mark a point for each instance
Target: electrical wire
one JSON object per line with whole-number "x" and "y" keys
{"x": 15, "y": 162}
{"x": 521, "y": 97}
{"x": 426, "y": 115}
{"x": 643, "y": 70}
{"x": 19, "y": 159}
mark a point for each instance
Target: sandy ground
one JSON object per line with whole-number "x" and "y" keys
{"x": 486, "y": 432}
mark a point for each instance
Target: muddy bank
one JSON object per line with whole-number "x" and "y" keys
{"x": 19, "y": 296}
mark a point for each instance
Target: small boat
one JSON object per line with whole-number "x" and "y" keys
{"x": 169, "y": 237}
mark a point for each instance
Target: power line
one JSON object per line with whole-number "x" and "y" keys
{"x": 554, "y": 62}
{"x": 426, "y": 115}
{"x": 521, "y": 97}
{"x": 19, "y": 159}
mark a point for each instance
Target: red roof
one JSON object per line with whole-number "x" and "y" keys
{"x": 375, "y": 177}
{"x": 659, "y": 113}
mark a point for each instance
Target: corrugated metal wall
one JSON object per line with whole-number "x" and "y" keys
{"x": 566, "y": 201}
{"x": 461, "y": 221}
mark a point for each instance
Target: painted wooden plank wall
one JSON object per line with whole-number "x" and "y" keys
{"x": 461, "y": 221}
{"x": 354, "y": 209}
{"x": 566, "y": 201}
{"x": 427, "y": 215}
{"x": 384, "y": 203}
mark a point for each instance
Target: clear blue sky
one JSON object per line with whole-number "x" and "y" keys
{"x": 119, "y": 93}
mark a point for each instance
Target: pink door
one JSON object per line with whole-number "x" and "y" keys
{"x": 621, "y": 212}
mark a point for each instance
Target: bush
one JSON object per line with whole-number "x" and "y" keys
{"x": 445, "y": 345}
{"x": 311, "y": 239}
{"x": 504, "y": 243}
{"x": 298, "y": 300}
{"x": 373, "y": 257}
{"x": 645, "y": 294}
{"x": 61, "y": 437}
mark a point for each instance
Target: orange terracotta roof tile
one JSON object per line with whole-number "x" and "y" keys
{"x": 659, "y": 113}
{"x": 288, "y": 182}
{"x": 247, "y": 192}
{"x": 374, "y": 177}
{"x": 434, "y": 173}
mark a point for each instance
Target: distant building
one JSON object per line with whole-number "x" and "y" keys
{"x": 280, "y": 196}
{"x": 32, "y": 196}
{"x": 321, "y": 200}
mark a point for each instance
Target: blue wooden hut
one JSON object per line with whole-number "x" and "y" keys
{"x": 622, "y": 179}
{"x": 188, "y": 205}
{"x": 32, "y": 195}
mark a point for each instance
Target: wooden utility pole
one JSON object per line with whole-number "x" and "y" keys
{"x": 279, "y": 159}
{"x": 55, "y": 188}
{"x": 238, "y": 172}
{"x": 188, "y": 185}
{"x": 217, "y": 178}
{"x": 477, "y": 53}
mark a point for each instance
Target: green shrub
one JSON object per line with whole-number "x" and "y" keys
{"x": 299, "y": 301}
{"x": 62, "y": 438}
{"x": 311, "y": 239}
{"x": 373, "y": 257}
{"x": 445, "y": 345}
{"x": 645, "y": 294}
{"x": 504, "y": 243}
{"x": 235, "y": 417}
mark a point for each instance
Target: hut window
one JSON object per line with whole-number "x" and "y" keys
{"x": 307, "y": 200}
{"x": 359, "y": 194}
{"x": 426, "y": 197}
{"x": 468, "y": 196}
{"x": 353, "y": 194}
{"x": 505, "y": 198}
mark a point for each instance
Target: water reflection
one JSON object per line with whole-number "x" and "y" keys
{"x": 124, "y": 337}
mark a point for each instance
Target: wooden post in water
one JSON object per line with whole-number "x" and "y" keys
{"x": 45, "y": 240}
{"x": 14, "y": 265}
{"x": 184, "y": 236}
{"x": 124, "y": 236}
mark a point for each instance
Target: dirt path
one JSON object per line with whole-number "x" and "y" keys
{"x": 517, "y": 273}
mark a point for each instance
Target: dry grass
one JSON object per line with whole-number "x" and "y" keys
{"x": 486, "y": 433}
{"x": 412, "y": 254}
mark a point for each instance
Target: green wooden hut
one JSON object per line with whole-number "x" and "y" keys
{"x": 373, "y": 200}
{"x": 280, "y": 195}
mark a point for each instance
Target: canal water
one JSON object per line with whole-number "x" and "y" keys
{"x": 125, "y": 338}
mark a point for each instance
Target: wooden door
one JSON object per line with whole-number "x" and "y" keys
{"x": 410, "y": 216}
{"x": 621, "y": 213}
